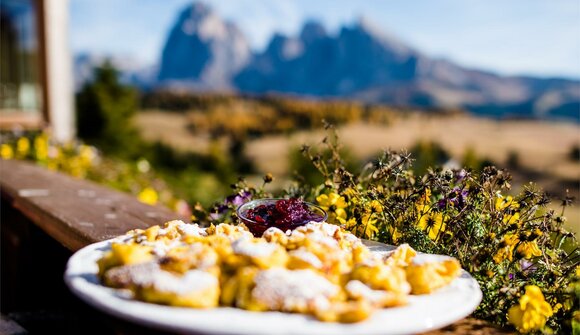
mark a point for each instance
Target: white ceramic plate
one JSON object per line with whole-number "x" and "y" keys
{"x": 423, "y": 313}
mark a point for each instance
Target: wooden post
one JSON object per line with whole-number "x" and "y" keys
{"x": 59, "y": 76}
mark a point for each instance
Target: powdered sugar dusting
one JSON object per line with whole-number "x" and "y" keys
{"x": 372, "y": 259}
{"x": 307, "y": 256}
{"x": 423, "y": 259}
{"x": 319, "y": 232}
{"x": 245, "y": 246}
{"x": 123, "y": 276}
{"x": 161, "y": 247}
{"x": 191, "y": 229}
{"x": 327, "y": 228}
{"x": 233, "y": 232}
{"x": 122, "y": 239}
{"x": 272, "y": 231}
{"x": 163, "y": 281}
{"x": 287, "y": 290}
{"x": 320, "y": 237}
{"x": 351, "y": 238}
{"x": 358, "y": 289}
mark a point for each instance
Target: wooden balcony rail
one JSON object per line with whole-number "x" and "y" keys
{"x": 46, "y": 216}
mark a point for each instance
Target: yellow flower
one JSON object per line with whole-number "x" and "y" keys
{"x": 423, "y": 203}
{"x": 376, "y": 207}
{"x": 395, "y": 234}
{"x": 351, "y": 195}
{"x": 6, "y": 151}
{"x": 52, "y": 165}
{"x": 368, "y": 228}
{"x": 87, "y": 155}
{"x": 425, "y": 198}
{"x": 427, "y": 195}
{"x": 350, "y": 224}
{"x": 148, "y": 195}
{"x": 502, "y": 202}
{"x": 434, "y": 224}
{"x": 531, "y": 312}
{"x": 334, "y": 205}
{"x": 72, "y": 166}
{"x": 511, "y": 218}
{"x": 41, "y": 147}
{"x": 422, "y": 209}
{"x": 529, "y": 249}
{"x": 506, "y": 251}
{"x": 507, "y": 204}
{"x": 22, "y": 146}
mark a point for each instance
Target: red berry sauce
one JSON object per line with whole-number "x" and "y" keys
{"x": 284, "y": 214}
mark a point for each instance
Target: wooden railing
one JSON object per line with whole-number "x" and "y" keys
{"x": 46, "y": 216}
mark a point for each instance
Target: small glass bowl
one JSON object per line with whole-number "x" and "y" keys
{"x": 258, "y": 228}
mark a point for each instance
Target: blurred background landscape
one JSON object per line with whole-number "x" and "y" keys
{"x": 205, "y": 92}
{"x": 201, "y": 105}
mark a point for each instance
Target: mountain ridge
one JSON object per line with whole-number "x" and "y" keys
{"x": 360, "y": 61}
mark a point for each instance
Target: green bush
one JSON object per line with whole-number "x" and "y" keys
{"x": 475, "y": 163}
{"x": 302, "y": 168}
{"x": 105, "y": 109}
{"x": 428, "y": 155}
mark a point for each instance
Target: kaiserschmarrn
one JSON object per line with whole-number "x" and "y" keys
{"x": 317, "y": 269}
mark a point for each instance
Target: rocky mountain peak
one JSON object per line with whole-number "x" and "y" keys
{"x": 312, "y": 31}
{"x": 203, "y": 50}
{"x": 365, "y": 26}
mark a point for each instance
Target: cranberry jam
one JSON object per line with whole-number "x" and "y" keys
{"x": 283, "y": 214}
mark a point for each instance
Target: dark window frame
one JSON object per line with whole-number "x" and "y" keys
{"x": 39, "y": 120}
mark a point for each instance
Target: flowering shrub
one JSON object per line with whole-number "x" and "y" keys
{"x": 524, "y": 260}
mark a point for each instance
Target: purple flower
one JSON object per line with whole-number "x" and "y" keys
{"x": 234, "y": 200}
{"x": 220, "y": 209}
{"x": 511, "y": 276}
{"x": 459, "y": 195}
{"x": 460, "y": 175}
{"x": 239, "y": 198}
{"x": 527, "y": 266}
{"x": 455, "y": 198}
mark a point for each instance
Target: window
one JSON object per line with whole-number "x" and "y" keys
{"x": 20, "y": 64}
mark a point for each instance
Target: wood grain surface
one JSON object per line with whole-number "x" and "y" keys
{"x": 74, "y": 212}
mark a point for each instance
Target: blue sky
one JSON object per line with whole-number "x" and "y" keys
{"x": 537, "y": 37}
